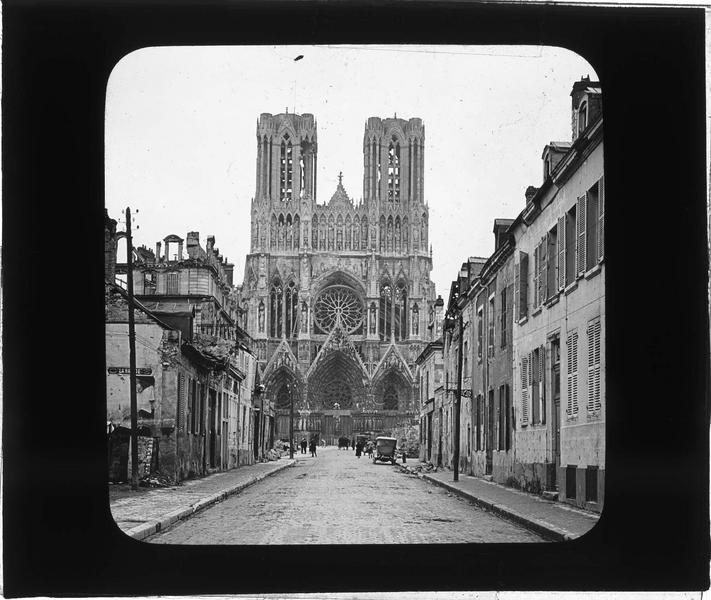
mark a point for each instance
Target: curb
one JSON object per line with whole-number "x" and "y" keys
{"x": 141, "y": 532}
{"x": 542, "y": 528}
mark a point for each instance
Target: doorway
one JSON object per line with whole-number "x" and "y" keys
{"x": 555, "y": 385}
{"x": 256, "y": 435}
{"x": 489, "y": 434}
{"x": 212, "y": 432}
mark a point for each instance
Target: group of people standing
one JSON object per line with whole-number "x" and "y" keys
{"x": 363, "y": 447}
{"x": 311, "y": 445}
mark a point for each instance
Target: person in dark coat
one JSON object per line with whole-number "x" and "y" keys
{"x": 359, "y": 449}
{"x": 303, "y": 446}
{"x": 312, "y": 447}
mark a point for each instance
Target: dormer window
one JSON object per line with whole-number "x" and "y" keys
{"x": 582, "y": 117}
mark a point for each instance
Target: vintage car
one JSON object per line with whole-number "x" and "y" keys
{"x": 385, "y": 449}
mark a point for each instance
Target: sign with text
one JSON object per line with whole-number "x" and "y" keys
{"x": 127, "y": 370}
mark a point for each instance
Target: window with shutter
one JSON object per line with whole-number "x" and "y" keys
{"x": 181, "y": 401}
{"x": 551, "y": 284}
{"x": 536, "y": 276}
{"x": 479, "y": 332}
{"x": 542, "y": 382}
{"x": 570, "y": 246}
{"x": 561, "y": 252}
{"x": 594, "y": 366}
{"x": 544, "y": 268}
{"x": 572, "y": 374}
{"x": 534, "y": 377}
{"x": 591, "y": 226}
{"x": 502, "y": 417}
{"x": 517, "y": 291}
{"x": 580, "y": 212}
{"x": 509, "y": 418}
{"x": 492, "y": 321}
{"x": 524, "y": 390}
{"x": 504, "y": 318}
{"x": 601, "y": 224}
{"x": 523, "y": 286}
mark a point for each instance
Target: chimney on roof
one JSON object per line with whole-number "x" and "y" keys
{"x": 530, "y": 193}
{"x": 158, "y": 245}
{"x": 210, "y": 243}
{"x": 110, "y": 247}
{"x": 229, "y": 271}
{"x": 193, "y": 244}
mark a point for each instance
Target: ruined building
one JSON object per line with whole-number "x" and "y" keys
{"x": 337, "y": 295}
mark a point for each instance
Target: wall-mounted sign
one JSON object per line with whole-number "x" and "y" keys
{"x": 127, "y": 370}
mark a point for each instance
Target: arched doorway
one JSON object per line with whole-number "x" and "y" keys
{"x": 337, "y": 391}
{"x": 281, "y": 388}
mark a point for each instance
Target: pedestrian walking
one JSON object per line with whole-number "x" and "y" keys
{"x": 312, "y": 447}
{"x": 359, "y": 449}
{"x": 303, "y": 446}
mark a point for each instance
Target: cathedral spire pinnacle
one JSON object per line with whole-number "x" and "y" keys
{"x": 340, "y": 178}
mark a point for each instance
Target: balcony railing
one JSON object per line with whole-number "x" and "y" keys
{"x": 226, "y": 332}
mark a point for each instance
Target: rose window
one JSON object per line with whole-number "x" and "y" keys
{"x": 338, "y": 303}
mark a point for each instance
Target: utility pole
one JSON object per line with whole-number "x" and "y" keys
{"x": 458, "y": 399}
{"x": 132, "y": 355}
{"x": 291, "y": 420}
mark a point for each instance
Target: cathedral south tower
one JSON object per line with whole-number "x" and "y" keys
{"x": 337, "y": 295}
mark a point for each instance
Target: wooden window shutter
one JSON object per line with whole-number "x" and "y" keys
{"x": 580, "y": 216}
{"x": 561, "y": 252}
{"x": 523, "y": 283}
{"x": 517, "y": 291}
{"x": 543, "y": 381}
{"x": 536, "y": 273}
{"x": 181, "y": 401}
{"x": 543, "y": 277}
{"x": 572, "y": 408}
{"x": 509, "y": 418}
{"x": 569, "y": 375}
{"x": 524, "y": 390}
{"x": 601, "y": 223}
{"x": 594, "y": 366}
{"x": 544, "y": 268}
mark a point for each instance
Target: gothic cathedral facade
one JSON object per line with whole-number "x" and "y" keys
{"x": 338, "y": 296}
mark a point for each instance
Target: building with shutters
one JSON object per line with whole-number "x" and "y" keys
{"x": 490, "y": 296}
{"x": 198, "y": 411}
{"x": 559, "y": 316}
{"x": 337, "y": 295}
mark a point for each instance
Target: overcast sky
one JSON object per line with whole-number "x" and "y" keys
{"x": 181, "y": 132}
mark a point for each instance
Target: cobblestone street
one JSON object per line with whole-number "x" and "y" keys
{"x": 337, "y": 498}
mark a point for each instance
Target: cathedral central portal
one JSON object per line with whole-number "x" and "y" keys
{"x": 337, "y": 296}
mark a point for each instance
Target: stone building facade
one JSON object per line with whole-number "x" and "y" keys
{"x": 196, "y": 372}
{"x": 337, "y": 295}
{"x": 558, "y": 333}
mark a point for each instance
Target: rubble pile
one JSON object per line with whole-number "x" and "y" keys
{"x": 422, "y": 468}
{"x": 155, "y": 480}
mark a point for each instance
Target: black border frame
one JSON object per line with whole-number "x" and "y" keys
{"x": 59, "y": 538}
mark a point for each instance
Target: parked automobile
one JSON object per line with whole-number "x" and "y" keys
{"x": 385, "y": 450}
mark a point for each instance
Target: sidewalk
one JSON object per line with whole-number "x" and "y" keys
{"x": 146, "y": 511}
{"x": 551, "y": 519}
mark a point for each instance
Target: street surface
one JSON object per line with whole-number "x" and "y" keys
{"x": 337, "y": 498}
